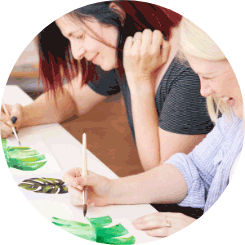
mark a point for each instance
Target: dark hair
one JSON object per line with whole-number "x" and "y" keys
{"x": 56, "y": 61}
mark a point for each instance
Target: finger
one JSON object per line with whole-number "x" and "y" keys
{"x": 161, "y": 232}
{"x": 137, "y": 38}
{"x": 157, "y": 40}
{"x": 152, "y": 221}
{"x": 146, "y": 38}
{"x": 6, "y": 130}
{"x": 70, "y": 180}
{"x": 165, "y": 51}
{"x": 148, "y": 217}
{"x": 6, "y": 119}
{"x": 89, "y": 180}
{"x": 16, "y": 113}
{"x": 75, "y": 172}
{"x": 76, "y": 195}
{"x": 127, "y": 46}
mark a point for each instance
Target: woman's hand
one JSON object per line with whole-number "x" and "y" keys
{"x": 6, "y": 123}
{"x": 98, "y": 187}
{"x": 162, "y": 224}
{"x": 144, "y": 53}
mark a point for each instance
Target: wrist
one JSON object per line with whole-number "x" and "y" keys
{"x": 144, "y": 84}
{"x": 25, "y": 120}
{"x": 134, "y": 77}
{"x": 111, "y": 197}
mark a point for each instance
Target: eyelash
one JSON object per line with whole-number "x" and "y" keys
{"x": 80, "y": 37}
{"x": 206, "y": 78}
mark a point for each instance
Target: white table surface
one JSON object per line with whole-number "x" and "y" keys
{"x": 61, "y": 144}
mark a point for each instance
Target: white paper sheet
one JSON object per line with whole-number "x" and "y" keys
{"x": 59, "y": 206}
{"x": 34, "y": 141}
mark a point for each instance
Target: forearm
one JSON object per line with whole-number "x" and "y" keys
{"x": 145, "y": 120}
{"x": 46, "y": 110}
{"x": 163, "y": 184}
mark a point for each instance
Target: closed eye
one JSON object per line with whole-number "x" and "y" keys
{"x": 80, "y": 37}
{"x": 206, "y": 78}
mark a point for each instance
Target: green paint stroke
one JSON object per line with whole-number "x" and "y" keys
{"x": 44, "y": 185}
{"x": 97, "y": 231}
{"x": 23, "y": 158}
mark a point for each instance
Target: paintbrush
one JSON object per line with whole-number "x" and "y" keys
{"x": 85, "y": 173}
{"x": 13, "y": 128}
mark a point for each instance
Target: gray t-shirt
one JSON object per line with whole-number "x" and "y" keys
{"x": 181, "y": 108}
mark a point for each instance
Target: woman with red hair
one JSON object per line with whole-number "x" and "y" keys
{"x": 120, "y": 46}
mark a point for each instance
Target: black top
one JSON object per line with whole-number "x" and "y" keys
{"x": 180, "y": 107}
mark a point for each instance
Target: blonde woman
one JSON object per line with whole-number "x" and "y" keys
{"x": 198, "y": 179}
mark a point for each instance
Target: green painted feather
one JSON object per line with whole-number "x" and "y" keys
{"x": 23, "y": 158}
{"x": 44, "y": 185}
{"x": 97, "y": 231}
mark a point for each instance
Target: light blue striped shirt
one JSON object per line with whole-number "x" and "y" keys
{"x": 206, "y": 169}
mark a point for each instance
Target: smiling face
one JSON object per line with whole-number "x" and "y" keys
{"x": 86, "y": 41}
{"x": 217, "y": 77}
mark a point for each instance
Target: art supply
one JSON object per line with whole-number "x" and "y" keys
{"x": 23, "y": 158}
{"x": 13, "y": 129}
{"x": 98, "y": 231}
{"x": 44, "y": 185}
{"x": 85, "y": 173}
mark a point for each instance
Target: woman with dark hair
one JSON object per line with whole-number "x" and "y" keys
{"x": 92, "y": 48}
{"x": 108, "y": 47}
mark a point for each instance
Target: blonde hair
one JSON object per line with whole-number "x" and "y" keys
{"x": 195, "y": 42}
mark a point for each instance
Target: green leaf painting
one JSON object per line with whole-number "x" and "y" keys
{"x": 23, "y": 158}
{"x": 97, "y": 231}
{"x": 44, "y": 185}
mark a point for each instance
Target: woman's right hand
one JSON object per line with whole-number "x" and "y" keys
{"x": 98, "y": 187}
{"x": 6, "y": 123}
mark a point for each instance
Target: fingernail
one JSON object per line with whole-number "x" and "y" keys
{"x": 13, "y": 119}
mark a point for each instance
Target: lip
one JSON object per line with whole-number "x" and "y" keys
{"x": 228, "y": 100}
{"x": 231, "y": 102}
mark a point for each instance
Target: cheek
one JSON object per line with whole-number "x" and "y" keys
{"x": 91, "y": 44}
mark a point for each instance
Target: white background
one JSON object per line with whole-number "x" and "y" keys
{"x": 22, "y": 20}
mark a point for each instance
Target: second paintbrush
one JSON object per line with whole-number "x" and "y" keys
{"x": 85, "y": 173}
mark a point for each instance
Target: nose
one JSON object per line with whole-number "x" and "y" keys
{"x": 206, "y": 89}
{"x": 77, "y": 50}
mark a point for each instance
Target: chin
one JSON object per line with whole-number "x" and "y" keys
{"x": 109, "y": 65}
{"x": 107, "y": 68}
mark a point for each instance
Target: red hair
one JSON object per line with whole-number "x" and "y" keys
{"x": 56, "y": 61}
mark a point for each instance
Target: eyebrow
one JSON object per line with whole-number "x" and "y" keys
{"x": 71, "y": 33}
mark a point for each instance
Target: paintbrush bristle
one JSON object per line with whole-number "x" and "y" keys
{"x": 85, "y": 208}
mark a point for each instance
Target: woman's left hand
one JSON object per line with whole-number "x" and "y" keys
{"x": 162, "y": 224}
{"x": 144, "y": 53}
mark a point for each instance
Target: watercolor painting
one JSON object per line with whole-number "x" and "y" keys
{"x": 23, "y": 158}
{"x": 44, "y": 185}
{"x": 97, "y": 231}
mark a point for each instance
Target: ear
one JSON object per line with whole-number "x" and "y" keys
{"x": 118, "y": 10}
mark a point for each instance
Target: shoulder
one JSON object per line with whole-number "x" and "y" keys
{"x": 180, "y": 73}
